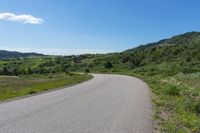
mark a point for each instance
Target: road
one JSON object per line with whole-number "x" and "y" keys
{"x": 105, "y": 104}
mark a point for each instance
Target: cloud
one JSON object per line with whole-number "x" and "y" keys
{"x": 24, "y": 18}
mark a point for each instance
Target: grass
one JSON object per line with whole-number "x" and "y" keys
{"x": 13, "y": 86}
{"x": 176, "y": 103}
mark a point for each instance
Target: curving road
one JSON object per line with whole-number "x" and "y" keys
{"x": 105, "y": 104}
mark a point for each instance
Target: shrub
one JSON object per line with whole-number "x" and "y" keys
{"x": 87, "y": 71}
{"x": 108, "y": 65}
{"x": 71, "y": 74}
{"x": 173, "y": 90}
{"x": 197, "y": 107}
{"x": 50, "y": 77}
{"x": 66, "y": 72}
{"x": 32, "y": 92}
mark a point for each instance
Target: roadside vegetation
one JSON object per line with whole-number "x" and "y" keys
{"x": 171, "y": 67}
{"x": 176, "y": 102}
{"x": 16, "y": 86}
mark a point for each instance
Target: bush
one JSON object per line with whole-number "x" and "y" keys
{"x": 197, "y": 107}
{"x": 66, "y": 72}
{"x": 87, "y": 71}
{"x": 173, "y": 90}
{"x": 50, "y": 77}
{"x": 108, "y": 65}
{"x": 32, "y": 92}
{"x": 71, "y": 74}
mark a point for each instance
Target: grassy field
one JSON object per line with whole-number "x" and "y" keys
{"x": 176, "y": 102}
{"x": 14, "y": 86}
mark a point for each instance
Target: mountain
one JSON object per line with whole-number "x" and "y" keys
{"x": 13, "y": 54}
{"x": 183, "y": 39}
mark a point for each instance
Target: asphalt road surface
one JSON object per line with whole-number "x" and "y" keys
{"x": 105, "y": 104}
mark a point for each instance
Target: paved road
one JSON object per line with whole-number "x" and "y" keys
{"x": 105, "y": 104}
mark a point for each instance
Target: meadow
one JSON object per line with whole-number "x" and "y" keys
{"x": 17, "y": 86}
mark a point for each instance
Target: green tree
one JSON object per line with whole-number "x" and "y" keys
{"x": 108, "y": 65}
{"x": 15, "y": 72}
{"x": 5, "y": 71}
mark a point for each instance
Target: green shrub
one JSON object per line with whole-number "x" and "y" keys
{"x": 50, "y": 77}
{"x": 32, "y": 92}
{"x": 71, "y": 74}
{"x": 197, "y": 107}
{"x": 87, "y": 71}
{"x": 66, "y": 72}
{"x": 108, "y": 65}
{"x": 173, "y": 90}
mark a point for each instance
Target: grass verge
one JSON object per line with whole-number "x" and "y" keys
{"x": 176, "y": 104}
{"x": 13, "y": 86}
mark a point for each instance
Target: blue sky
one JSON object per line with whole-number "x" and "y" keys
{"x": 91, "y": 26}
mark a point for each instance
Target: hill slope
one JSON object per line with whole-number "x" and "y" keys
{"x": 183, "y": 39}
{"x": 180, "y": 53}
{"x": 13, "y": 54}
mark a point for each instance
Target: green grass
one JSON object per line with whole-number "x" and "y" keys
{"x": 13, "y": 86}
{"x": 176, "y": 103}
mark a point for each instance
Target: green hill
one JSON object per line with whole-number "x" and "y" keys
{"x": 180, "y": 53}
{"x": 13, "y": 54}
{"x": 183, "y": 39}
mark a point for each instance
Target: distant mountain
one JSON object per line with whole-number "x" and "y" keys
{"x": 183, "y": 39}
{"x": 13, "y": 54}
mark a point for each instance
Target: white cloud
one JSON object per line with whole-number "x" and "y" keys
{"x": 24, "y": 18}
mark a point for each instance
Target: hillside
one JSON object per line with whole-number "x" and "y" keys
{"x": 183, "y": 39}
{"x": 181, "y": 52}
{"x": 13, "y": 54}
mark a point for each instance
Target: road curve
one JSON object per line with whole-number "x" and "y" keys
{"x": 105, "y": 104}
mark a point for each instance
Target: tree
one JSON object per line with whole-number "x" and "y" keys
{"x": 15, "y": 72}
{"x": 5, "y": 71}
{"x": 108, "y": 65}
{"x": 29, "y": 71}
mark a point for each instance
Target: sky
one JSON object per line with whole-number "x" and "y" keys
{"x": 65, "y": 27}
